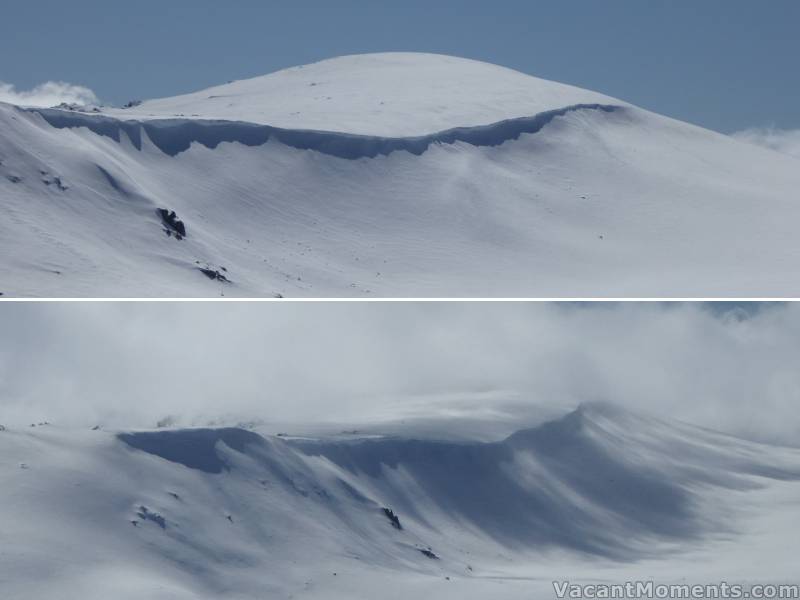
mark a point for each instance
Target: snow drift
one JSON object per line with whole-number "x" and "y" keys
{"x": 196, "y": 513}
{"x": 390, "y": 175}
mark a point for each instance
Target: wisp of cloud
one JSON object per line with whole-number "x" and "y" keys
{"x": 50, "y": 93}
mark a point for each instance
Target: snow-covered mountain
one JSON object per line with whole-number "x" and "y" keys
{"x": 599, "y": 494}
{"x": 389, "y": 175}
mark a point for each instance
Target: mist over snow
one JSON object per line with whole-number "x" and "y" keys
{"x": 50, "y": 93}
{"x": 348, "y": 451}
{"x": 130, "y": 365}
{"x": 782, "y": 140}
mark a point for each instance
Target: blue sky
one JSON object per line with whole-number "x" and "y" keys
{"x": 724, "y": 64}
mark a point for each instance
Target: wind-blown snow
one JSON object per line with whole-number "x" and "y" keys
{"x": 49, "y": 93}
{"x": 499, "y": 184}
{"x": 786, "y": 141}
{"x": 598, "y": 495}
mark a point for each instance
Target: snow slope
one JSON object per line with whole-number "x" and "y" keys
{"x": 596, "y": 495}
{"x": 469, "y": 180}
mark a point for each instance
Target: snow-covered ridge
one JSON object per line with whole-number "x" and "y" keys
{"x": 173, "y": 136}
{"x": 335, "y": 107}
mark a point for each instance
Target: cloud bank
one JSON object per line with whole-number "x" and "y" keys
{"x": 47, "y": 94}
{"x": 782, "y": 140}
{"x": 129, "y": 364}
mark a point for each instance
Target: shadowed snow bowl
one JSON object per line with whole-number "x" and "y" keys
{"x": 210, "y": 513}
{"x": 193, "y": 448}
{"x": 580, "y": 482}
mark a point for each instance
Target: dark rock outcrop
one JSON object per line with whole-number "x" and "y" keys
{"x": 214, "y": 274}
{"x": 171, "y": 223}
{"x": 395, "y": 520}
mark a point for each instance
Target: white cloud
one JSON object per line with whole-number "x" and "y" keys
{"x": 782, "y": 140}
{"x": 50, "y": 93}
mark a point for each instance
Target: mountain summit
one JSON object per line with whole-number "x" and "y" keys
{"x": 388, "y": 95}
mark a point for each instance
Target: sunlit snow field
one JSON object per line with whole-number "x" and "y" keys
{"x": 397, "y": 175}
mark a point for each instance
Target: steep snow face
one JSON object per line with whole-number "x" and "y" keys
{"x": 598, "y": 495}
{"x": 589, "y": 198}
{"x": 388, "y": 95}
